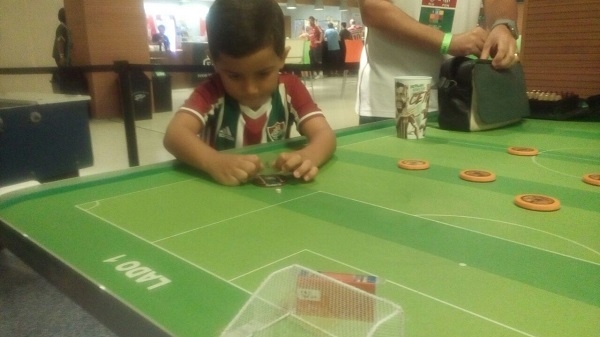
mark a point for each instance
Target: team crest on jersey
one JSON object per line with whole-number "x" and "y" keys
{"x": 276, "y": 131}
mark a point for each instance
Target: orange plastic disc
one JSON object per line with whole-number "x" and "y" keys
{"x": 413, "y": 164}
{"x": 523, "y": 151}
{"x": 592, "y": 178}
{"x": 479, "y": 176}
{"x": 537, "y": 202}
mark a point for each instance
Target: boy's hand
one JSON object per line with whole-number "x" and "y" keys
{"x": 234, "y": 169}
{"x": 301, "y": 168}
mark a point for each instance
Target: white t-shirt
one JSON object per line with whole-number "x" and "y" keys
{"x": 382, "y": 59}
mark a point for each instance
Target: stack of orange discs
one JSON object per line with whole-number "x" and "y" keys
{"x": 537, "y": 202}
{"x": 413, "y": 164}
{"x": 478, "y": 176}
{"x": 522, "y": 151}
{"x": 592, "y": 178}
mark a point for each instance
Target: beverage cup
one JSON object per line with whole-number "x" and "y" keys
{"x": 412, "y": 102}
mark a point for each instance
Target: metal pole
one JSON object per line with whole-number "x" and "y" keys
{"x": 122, "y": 68}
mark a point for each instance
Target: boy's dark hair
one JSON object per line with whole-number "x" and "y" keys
{"x": 240, "y": 27}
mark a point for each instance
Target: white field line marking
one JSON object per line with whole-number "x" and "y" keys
{"x": 250, "y": 292}
{"x": 97, "y": 203}
{"x": 450, "y": 142}
{"x": 363, "y": 271}
{"x": 462, "y": 228}
{"x": 267, "y": 265}
{"x": 430, "y": 297}
{"x": 535, "y": 161}
{"x": 234, "y": 217}
{"x": 164, "y": 250}
{"x": 462, "y": 309}
{"x": 364, "y": 141}
{"x": 517, "y": 225}
{"x": 420, "y": 293}
{"x": 393, "y": 210}
{"x": 93, "y": 205}
{"x": 483, "y": 146}
{"x": 136, "y": 192}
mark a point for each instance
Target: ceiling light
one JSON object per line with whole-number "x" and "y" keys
{"x": 291, "y": 4}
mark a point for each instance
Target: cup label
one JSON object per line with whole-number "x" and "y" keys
{"x": 412, "y": 103}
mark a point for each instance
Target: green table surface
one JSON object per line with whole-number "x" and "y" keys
{"x": 185, "y": 253}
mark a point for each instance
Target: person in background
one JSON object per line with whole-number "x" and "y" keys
{"x": 408, "y": 38}
{"x": 305, "y": 36}
{"x": 248, "y": 101}
{"x": 161, "y": 39}
{"x": 344, "y": 35}
{"x": 316, "y": 46}
{"x": 65, "y": 80}
{"x": 63, "y": 44}
{"x": 334, "y": 52}
{"x": 356, "y": 30}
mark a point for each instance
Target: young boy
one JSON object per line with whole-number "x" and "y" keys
{"x": 247, "y": 101}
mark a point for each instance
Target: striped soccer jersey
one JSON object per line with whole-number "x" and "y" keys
{"x": 227, "y": 124}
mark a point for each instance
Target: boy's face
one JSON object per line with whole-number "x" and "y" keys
{"x": 251, "y": 79}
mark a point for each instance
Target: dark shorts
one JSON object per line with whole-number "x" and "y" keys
{"x": 316, "y": 55}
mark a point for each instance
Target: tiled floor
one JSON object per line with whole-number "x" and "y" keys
{"x": 108, "y": 135}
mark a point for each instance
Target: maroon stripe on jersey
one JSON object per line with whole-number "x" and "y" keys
{"x": 253, "y": 129}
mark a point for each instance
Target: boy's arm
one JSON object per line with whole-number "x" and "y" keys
{"x": 321, "y": 140}
{"x": 181, "y": 139}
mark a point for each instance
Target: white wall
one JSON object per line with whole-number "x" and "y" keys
{"x": 27, "y": 37}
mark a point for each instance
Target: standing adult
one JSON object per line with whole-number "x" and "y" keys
{"x": 344, "y": 35}
{"x": 62, "y": 41}
{"x": 356, "y": 30}
{"x": 408, "y": 38}
{"x": 334, "y": 52}
{"x": 161, "y": 39}
{"x": 316, "y": 47}
{"x": 305, "y": 36}
{"x": 64, "y": 80}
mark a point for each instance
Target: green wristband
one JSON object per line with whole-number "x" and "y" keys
{"x": 446, "y": 43}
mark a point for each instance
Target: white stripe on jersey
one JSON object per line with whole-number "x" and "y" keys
{"x": 253, "y": 114}
{"x": 310, "y": 115}
{"x": 195, "y": 113}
